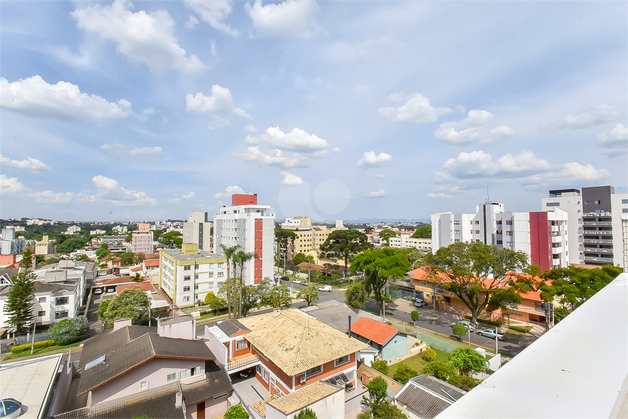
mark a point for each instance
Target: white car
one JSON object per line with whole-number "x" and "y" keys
{"x": 297, "y": 281}
{"x": 326, "y": 288}
{"x": 490, "y": 333}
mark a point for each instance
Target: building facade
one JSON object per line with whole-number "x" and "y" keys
{"x": 9, "y": 244}
{"x": 188, "y": 274}
{"x": 252, "y": 227}
{"x": 570, "y": 201}
{"x": 45, "y": 246}
{"x": 197, "y": 230}
{"x": 404, "y": 241}
{"x": 142, "y": 239}
{"x": 309, "y": 237}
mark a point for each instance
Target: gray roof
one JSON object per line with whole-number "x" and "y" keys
{"x": 231, "y": 326}
{"x": 53, "y": 287}
{"x": 336, "y": 316}
{"x": 175, "y": 320}
{"x": 202, "y": 254}
{"x": 428, "y": 396}
{"x": 124, "y": 352}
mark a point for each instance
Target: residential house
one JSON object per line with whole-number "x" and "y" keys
{"x": 325, "y": 400}
{"x": 424, "y": 397}
{"x": 389, "y": 341}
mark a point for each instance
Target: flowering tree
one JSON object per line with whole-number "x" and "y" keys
{"x": 69, "y": 330}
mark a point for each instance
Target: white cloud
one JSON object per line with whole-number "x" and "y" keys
{"x": 34, "y": 97}
{"x": 290, "y": 179}
{"x": 442, "y": 177}
{"x": 220, "y": 102}
{"x": 213, "y": 12}
{"x": 295, "y": 140}
{"x": 191, "y": 22}
{"x": 110, "y": 191}
{"x": 230, "y": 190}
{"x": 143, "y": 116}
{"x": 370, "y": 159}
{"x": 445, "y": 193}
{"x": 188, "y": 195}
{"x": 417, "y": 109}
{"x": 275, "y": 158}
{"x": 616, "y": 141}
{"x": 481, "y": 164}
{"x": 336, "y": 150}
{"x": 10, "y": 185}
{"x": 145, "y": 150}
{"x": 30, "y": 164}
{"x": 581, "y": 172}
{"x": 50, "y": 197}
{"x": 376, "y": 194}
{"x": 290, "y": 19}
{"x": 380, "y": 176}
{"x": 472, "y": 132}
{"x": 601, "y": 114}
{"x": 142, "y": 37}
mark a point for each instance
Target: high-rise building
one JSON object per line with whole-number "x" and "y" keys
{"x": 570, "y": 201}
{"x": 142, "y": 241}
{"x": 252, "y": 227}
{"x": 9, "y": 244}
{"x": 309, "y": 237}
{"x": 197, "y": 230}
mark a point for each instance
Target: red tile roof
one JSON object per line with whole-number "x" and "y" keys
{"x": 147, "y": 286}
{"x": 116, "y": 280}
{"x": 311, "y": 266}
{"x": 151, "y": 263}
{"x": 151, "y": 256}
{"x": 373, "y": 330}
{"x": 136, "y": 269}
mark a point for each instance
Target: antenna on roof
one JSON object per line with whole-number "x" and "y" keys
{"x": 488, "y": 198}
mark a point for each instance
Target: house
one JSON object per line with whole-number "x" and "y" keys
{"x": 289, "y": 350}
{"x": 150, "y": 264}
{"x": 424, "y": 397}
{"x": 325, "y": 400}
{"x": 132, "y": 368}
{"x": 389, "y": 341}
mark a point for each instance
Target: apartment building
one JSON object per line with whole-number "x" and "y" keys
{"x": 45, "y": 246}
{"x": 570, "y": 201}
{"x": 309, "y": 237}
{"x": 197, "y": 229}
{"x": 543, "y": 236}
{"x": 252, "y": 227}
{"x": 404, "y": 241}
{"x": 9, "y": 244}
{"x": 142, "y": 239}
{"x": 188, "y": 274}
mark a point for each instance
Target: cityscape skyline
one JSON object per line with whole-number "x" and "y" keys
{"x": 132, "y": 110}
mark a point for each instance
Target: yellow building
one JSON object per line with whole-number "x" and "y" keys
{"x": 309, "y": 237}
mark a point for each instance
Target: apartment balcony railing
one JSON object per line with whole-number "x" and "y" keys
{"x": 598, "y": 223}
{"x": 588, "y": 259}
{"x": 238, "y": 363}
{"x": 598, "y": 250}
{"x": 598, "y": 232}
{"x": 597, "y": 241}
{"x": 596, "y": 214}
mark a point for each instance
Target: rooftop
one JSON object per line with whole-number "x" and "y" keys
{"x": 373, "y": 330}
{"x": 302, "y": 398}
{"x": 202, "y": 254}
{"x": 428, "y": 396}
{"x": 230, "y": 327}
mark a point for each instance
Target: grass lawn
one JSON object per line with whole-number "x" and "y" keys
{"x": 40, "y": 351}
{"x": 417, "y": 363}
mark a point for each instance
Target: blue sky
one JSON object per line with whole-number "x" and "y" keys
{"x": 133, "y": 110}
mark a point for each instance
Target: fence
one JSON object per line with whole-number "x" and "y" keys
{"x": 39, "y": 337}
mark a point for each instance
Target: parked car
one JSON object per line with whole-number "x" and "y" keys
{"x": 10, "y": 408}
{"x": 326, "y": 288}
{"x": 297, "y": 281}
{"x": 285, "y": 278}
{"x": 466, "y": 324}
{"x": 419, "y": 302}
{"x": 97, "y": 291}
{"x": 490, "y": 333}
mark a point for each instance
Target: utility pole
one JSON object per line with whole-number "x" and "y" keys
{"x": 33, "y": 340}
{"x": 496, "y": 342}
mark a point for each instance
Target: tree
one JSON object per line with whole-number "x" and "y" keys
{"x": 70, "y": 245}
{"x": 416, "y": 257}
{"x": 278, "y": 296}
{"x": 379, "y": 266}
{"x": 309, "y": 294}
{"x": 82, "y": 257}
{"x": 404, "y": 373}
{"x": 439, "y": 369}
{"x": 380, "y": 365}
{"x": 172, "y": 239}
{"x": 302, "y": 257}
{"x": 69, "y": 330}
{"x": 368, "y": 230}
{"x": 388, "y": 410}
{"x": 378, "y": 390}
{"x": 386, "y": 234}
{"x": 306, "y": 413}
{"x": 573, "y": 286}
{"x": 424, "y": 232}
{"x": 474, "y": 272}
{"x": 355, "y": 295}
{"x": 466, "y": 361}
{"x": 414, "y": 315}
{"x": 127, "y": 258}
{"x": 209, "y": 297}
{"x": 236, "y": 412}
{"x": 250, "y": 298}
{"x": 228, "y": 253}
{"x": 103, "y": 251}
{"x": 137, "y": 277}
{"x": 129, "y": 238}
{"x": 102, "y": 308}
{"x": 132, "y": 303}
{"x": 241, "y": 258}
{"x": 459, "y": 330}
{"x": 344, "y": 243}
{"x": 429, "y": 355}
{"x": 284, "y": 238}
{"x": 19, "y": 302}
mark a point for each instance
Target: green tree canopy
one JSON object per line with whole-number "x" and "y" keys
{"x": 279, "y": 296}
{"x": 171, "y": 239}
{"x": 20, "y": 299}
{"x": 414, "y": 315}
{"x": 285, "y": 239}
{"x": 377, "y": 391}
{"x": 70, "y": 245}
{"x": 345, "y": 243}
{"x": 229, "y": 253}
{"x": 403, "y": 373}
{"x": 386, "y": 234}
{"x": 416, "y": 257}
{"x": 387, "y": 410}
{"x": 309, "y": 294}
{"x": 459, "y": 330}
{"x": 69, "y": 330}
{"x": 424, "y": 232}
{"x": 306, "y": 413}
{"x": 379, "y": 266}
{"x": 132, "y": 303}
{"x": 127, "y": 258}
{"x": 302, "y": 257}
{"x": 103, "y": 251}
{"x": 236, "y": 412}
{"x": 355, "y": 295}
{"x": 439, "y": 369}
{"x": 380, "y": 365}
{"x": 466, "y": 361}
{"x": 475, "y": 272}
{"x": 241, "y": 258}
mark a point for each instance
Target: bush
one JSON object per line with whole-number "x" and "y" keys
{"x": 236, "y": 412}
{"x": 439, "y": 369}
{"x": 429, "y": 355}
{"x": 485, "y": 321}
{"x": 404, "y": 373}
{"x": 380, "y": 365}
{"x": 68, "y": 330}
{"x": 43, "y": 344}
{"x": 520, "y": 329}
{"x": 467, "y": 383}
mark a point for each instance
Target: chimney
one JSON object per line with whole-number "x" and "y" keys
{"x": 349, "y": 326}
{"x": 178, "y": 401}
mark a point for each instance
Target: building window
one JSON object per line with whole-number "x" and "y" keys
{"x": 457, "y": 222}
{"x": 61, "y": 314}
{"x": 186, "y": 278}
{"x": 597, "y": 202}
{"x": 42, "y": 299}
{"x": 342, "y": 360}
{"x": 41, "y": 313}
{"x": 477, "y": 231}
{"x": 262, "y": 372}
{"x": 62, "y": 300}
{"x": 624, "y": 210}
{"x": 509, "y": 233}
{"x": 143, "y": 385}
{"x": 210, "y": 275}
{"x": 241, "y": 344}
{"x": 185, "y": 289}
{"x": 196, "y": 286}
{"x": 624, "y": 201}
{"x": 171, "y": 377}
{"x": 191, "y": 372}
{"x": 477, "y": 222}
{"x": 187, "y": 268}
{"x": 508, "y": 222}
{"x": 422, "y": 284}
{"x": 313, "y": 371}
{"x": 186, "y": 299}
{"x": 552, "y": 204}
{"x": 221, "y": 274}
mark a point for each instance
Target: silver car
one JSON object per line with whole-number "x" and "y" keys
{"x": 10, "y": 408}
{"x": 490, "y": 333}
{"x": 466, "y": 324}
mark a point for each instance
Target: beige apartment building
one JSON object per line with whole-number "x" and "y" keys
{"x": 309, "y": 237}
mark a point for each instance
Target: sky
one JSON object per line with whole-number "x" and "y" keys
{"x": 136, "y": 110}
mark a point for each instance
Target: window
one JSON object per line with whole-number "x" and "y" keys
{"x": 477, "y": 231}
{"x": 187, "y": 268}
{"x": 597, "y": 202}
{"x": 509, "y": 233}
{"x": 186, "y": 299}
{"x": 262, "y": 372}
{"x": 624, "y": 201}
{"x": 624, "y": 210}
{"x": 191, "y": 372}
{"x": 185, "y": 289}
{"x": 171, "y": 377}
{"x": 62, "y": 300}
{"x": 477, "y": 222}
{"x": 186, "y": 278}
{"x": 508, "y": 222}
{"x": 196, "y": 286}
{"x": 221, "y": 274}
{"x": 61, "y": 314}
{"x": 41, "y": 313}
{"x": 342, "y": 360}
{"x": 313, "y": 371}
{"x": 143, "y": 385}
{"x": 211, "y": 274}
{"x": 552, "y": 204}
{"x": 422, "y": 284}
{"x": 42, "y": 299}
{"x": 241, "y": 344}
{"x": 456, "y": 222}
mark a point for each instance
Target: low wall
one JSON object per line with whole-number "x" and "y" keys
{"x": 365, "y": 374}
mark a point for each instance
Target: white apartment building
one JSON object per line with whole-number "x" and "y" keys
{"x": 404, "y": 241}
{"x": 570, "y": 201}
{"x": 72, "y": 230}
{"x": 142, "y": 239}
{"x": 197, "y": 230}
{"x": 9, "y": 244}
{"x": 188, "y": 274}
{"x": 252, "y": 227}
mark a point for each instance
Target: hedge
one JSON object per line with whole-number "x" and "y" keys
{"x": 43, "y": 344}
{"x": 524, "y": 329}
{"x": 492, "y": 323}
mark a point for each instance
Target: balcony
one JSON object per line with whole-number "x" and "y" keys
{"x": 597, "y": 241}
{"x": 598, "y": 223}
{"x": 557, "y": 239}
{"x": 595, "y": 260}
{"x": 557, "y": 250}
{"x": 598, "y": 250}
{"x": 598, "y": 232}
{"x": 243, "y": 361}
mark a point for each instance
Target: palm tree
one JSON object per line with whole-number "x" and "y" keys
{"x": 241, "y": 258}
{"x": 229, "y": 253}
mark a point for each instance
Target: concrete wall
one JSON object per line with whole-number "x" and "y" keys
{"x": 397, "y": 347}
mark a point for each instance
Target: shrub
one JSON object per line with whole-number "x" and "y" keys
{"x": 43, "y": 344}
{"x": 306, "y": 413}
{"x": 520, "y": 329}
{"x": 465, "y": 361}
{"x": 467, "y": 383}
{"x": 485, "y": 321}
{"x": 414, "y": 315}
{"x": 404, "y": 373}
{"x": 429, "y": 355}
{"x": 439, "y": 369}
{"x": 68, "y": 330}
{"x": 380, "y": 365}
{"x": 454, "y": 380}
{"x": 236, "y": 412}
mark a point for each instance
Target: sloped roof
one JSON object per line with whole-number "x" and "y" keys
{"x": 303, "y": 397}
{"x": 151, "y": 263}
{"x": 428, "y": 396}
{"x": 231, "y": 326}
{"x": 296, "y": 342}
{"x": 116, "y": 280}
{"x": 373, "y": 330}
{"x": 145, "y": 285}
{"x": 311, "y": 267}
